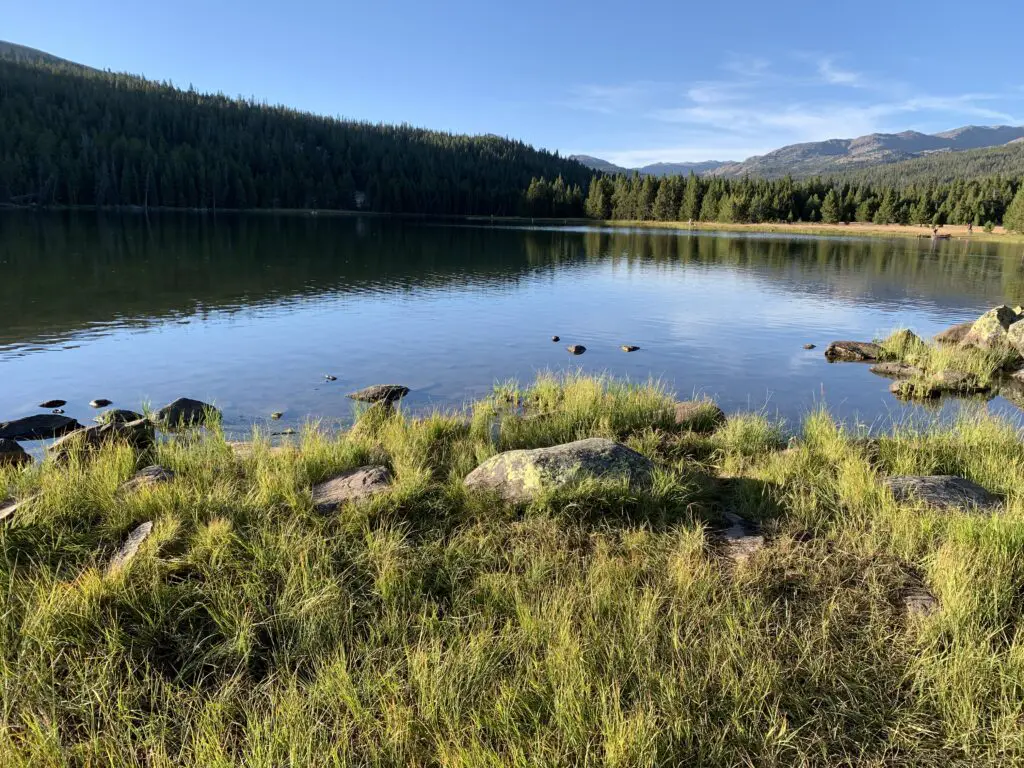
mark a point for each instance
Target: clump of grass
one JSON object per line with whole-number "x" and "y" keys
{"x": 598, "y": 625}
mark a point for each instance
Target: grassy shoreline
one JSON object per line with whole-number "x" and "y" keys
{"x": 601, "y": 624}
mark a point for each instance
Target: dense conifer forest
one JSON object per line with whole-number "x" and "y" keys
{"x": 70, "y": 135}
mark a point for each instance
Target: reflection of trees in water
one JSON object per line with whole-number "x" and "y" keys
{"x": 62, "y": 272}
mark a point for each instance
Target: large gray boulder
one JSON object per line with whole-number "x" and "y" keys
{"x": 947, "y": 492}
{"x": 380, "y": 393}
{"x": 12, "y": 454}
{"x": 356, "y": 484}
{"x": 1015, "y": 336}
{"x": 853, "y": 352}
{"x": 519, "y": 476}
{"x": 40, "y": 427}
{"x": 990, "y": 330}
{"x": 185, "y": 412}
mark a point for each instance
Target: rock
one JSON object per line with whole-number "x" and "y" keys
{"x": 555, "y": 338}
{"x": 954, "y": 334}
{"x": 41, "y": 427}
{"x": 896, "y": 370}
{"x": 380, "y": 393}
{"x": 989, "y": 330}
{"x": 12, "y": 454}
{"x": 276, "y": 415}
{"x": 946, "y": 492}
{"x": 117, "y": 415}
{"x": 353, "y": 485}
{"x": 742, "y": 539}
{"x": 903, "y": 341}
{"x": 138, "y": 434}
{"x": 629, "y": 348}
{"x": 328, "y": 377}
{"x": 57, "y": 411}
{"x": 701, "y": 416}
{"x": 918, "y": 601}
{"x": 853, "y": 351}
{"x": 185, "y": 412}
{"x": 9, "y": 506}
{"x": 100, "y": 402}
{"x": 809, "y": 346}
{"x": 147, "y": 478}
{"x": 959, "y": 382}
{"x": 130, "y": 548}
{"x": 519, "y": 476}
{"x": 1015, "y": 336}
{"x": 576, "y": 349}
{"x": 955, "y": 382}
{"x": 914, "y": 389}
{"x": 53, "y": 404}
{"x": 244, "y": 450}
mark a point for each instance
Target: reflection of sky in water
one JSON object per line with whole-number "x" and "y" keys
{"x": 734, "y": 331}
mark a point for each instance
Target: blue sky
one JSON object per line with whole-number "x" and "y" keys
{"x": 633, "y": 82}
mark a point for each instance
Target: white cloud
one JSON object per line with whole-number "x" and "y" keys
{"x": 835, "y": 76}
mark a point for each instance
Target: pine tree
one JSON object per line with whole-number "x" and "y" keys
{"x": 1013, "y": 219}
{"x": 831, "y": 211}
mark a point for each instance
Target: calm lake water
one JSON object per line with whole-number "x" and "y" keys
{"x": 250, "y": 312}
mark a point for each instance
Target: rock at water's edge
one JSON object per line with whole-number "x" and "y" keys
{"x": 380, "y": 393}
{"x": 41, "y": 427}
{"x": 12, "y": 454}
{"x": 954, "y": 334}
{"x": 185, "y": 412}
{"x": 853, "y": 351}
{"x": 989, "y": 330}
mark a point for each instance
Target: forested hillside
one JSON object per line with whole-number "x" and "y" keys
{"x": 73, "y": 136}
{"x": 941, "y": 167}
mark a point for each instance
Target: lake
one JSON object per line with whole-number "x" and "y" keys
{"x": 250, "y": 311}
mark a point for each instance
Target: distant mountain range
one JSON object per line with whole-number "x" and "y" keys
{"x": 834, "y": 156}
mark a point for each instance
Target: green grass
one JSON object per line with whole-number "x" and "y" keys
{"x": 600, "y": 625}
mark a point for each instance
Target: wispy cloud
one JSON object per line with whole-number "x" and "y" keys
{"x": 833, "y": 75}
{"x": 609, "y": 99}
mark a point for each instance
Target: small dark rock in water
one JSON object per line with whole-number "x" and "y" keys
{"x": 629, "y": 348}
{"x": 947, "y": 492}
{"x": 40, "y": 427}
{"x": 185, "y": 412}
{"x": 276, "y": 415}
{"x": 328, "y": 377}
{"x": 53, "y": 404}
{"x": 380, "y": 393}
{"x": 117, "y": 416}
{"x": 12, "y": 454}
{"x": 556, "y": 338}
{"x": 809, "y": 346}
{"x": 853, "y": 351}
{"x": 576, "y": 349}
{"x": 57, "y": 411}
{"x": 100, "y": 402}
{"x": 288, "y": 431}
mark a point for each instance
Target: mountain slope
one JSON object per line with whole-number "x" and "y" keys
{"x": 26, "y": 55}
{"x": 655, "y": 169}
{"x": 597, "y": 164}
{"x": 943, "y": 167}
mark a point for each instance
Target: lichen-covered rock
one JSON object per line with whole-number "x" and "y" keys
{"x": 954, "y": 334}
{"x": 989, "y": 331}
{"x": 119, "y": 415}
{"x": 356, "y": 484}
{"x": 40, "y": 427}
{"x": 147, "y": 478}
{"x": 185, "y": 412}
{"x": 380, "y": 393}
{"x": 947, "y": 492}
{"x": 138, "y": 434}
{"x": 12, "y": 454}
{"x": 702, "y": 416}
{"x": 853, "y": 352}
{"x": 1015, "y": 336}
{"x": 519, "y": 476}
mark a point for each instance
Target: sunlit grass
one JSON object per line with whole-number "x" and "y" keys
{"x": 598, "y": 625}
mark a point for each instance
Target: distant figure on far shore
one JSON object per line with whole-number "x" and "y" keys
{"x": 970, "y": 227}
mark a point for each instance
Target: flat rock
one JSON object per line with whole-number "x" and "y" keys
{"x": 118, "y": 415}
{"x": 130, "y": 548}
{"x": 380, "y": 393}
{"x": 356, "y": 484}
{"x": 100, "y": 402}
{"x": 741, "y": 539}
{"x": 698, "y": 415}
{"x": 853, "y": 351}
{"x": 519, "y": 476}
{"x": 947, "y": 492}
{"x": 12, "y": 454}
{"x": 148, "y": 478}
{"x": 53, "y": 404}
{"x": 40, "y": 427}
{"x": 990, "y": 330}
{"x": 896, "y": 370}
{"x": 954, "y": 334}
{"x": 185, "y": 412}
{"x": 138, "y": 434}
{"x": 576, "y": 349}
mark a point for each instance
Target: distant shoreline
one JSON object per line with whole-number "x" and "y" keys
{"x": 852, "y": 229}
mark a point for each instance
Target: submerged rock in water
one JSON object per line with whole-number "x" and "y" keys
{"x": 12, "y": 454}
{"x": 130, "y": 548}
{"x": 809, "y": 346}
{"x": 380, "y": 393}
{"x": 576, "y": 349}
{"x": 702, "y": 416}
{"x": 117, "y": 415}
{"x": 954, "y": 334}
{"x": 185, "y": 412}
{"x": 356, "y": 484}
{"x": 519, "y": 476}
{"x": 629, "y": 348}
{"x": 147, "y": 478}
{"x": 41, "y": 427}
{"x": 989, "y": 330}
{"x": 53, "y": 404}
{"x": 853, "y": 351}
{"x": 946, "y": 492}
{"x": 329, "y": 377}
{"x": 100, "y": 402}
